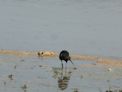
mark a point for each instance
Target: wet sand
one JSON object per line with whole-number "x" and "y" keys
{"x": 114, "y": 62}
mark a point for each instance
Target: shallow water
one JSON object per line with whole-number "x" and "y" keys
{"x": 91, "y": 27}
{"x": 47, "y": 75}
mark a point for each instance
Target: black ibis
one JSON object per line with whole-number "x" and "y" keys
{"x": 64, "y": 55}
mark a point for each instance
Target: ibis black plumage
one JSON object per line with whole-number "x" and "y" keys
{"x": 64, "y": 55}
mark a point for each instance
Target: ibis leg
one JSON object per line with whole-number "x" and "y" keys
{"x": 62, "y": 64}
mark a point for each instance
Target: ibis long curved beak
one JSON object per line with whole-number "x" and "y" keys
{"x": 71, "y": 62}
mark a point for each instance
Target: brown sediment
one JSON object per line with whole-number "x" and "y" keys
{"x": 17, "y": 53}
{"x": 111, "y": 62}
{"x": 97, "y": 59}
{"x": 84, "y": 57}
{"x": 27, "y": 53}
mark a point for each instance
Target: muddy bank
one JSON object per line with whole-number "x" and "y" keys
{"x": 27, "y": 53}
{"x": 98, "y": 59}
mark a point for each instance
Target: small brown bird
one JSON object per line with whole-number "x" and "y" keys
{"x": 64, "y": 55}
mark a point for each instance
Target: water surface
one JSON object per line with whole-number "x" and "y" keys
{"x": 91, "y": 27}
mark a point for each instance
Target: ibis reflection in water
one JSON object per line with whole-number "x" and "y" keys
{"x": 63, "y": 76}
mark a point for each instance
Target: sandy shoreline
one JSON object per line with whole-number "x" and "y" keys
{"x": 99, "y": 60}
